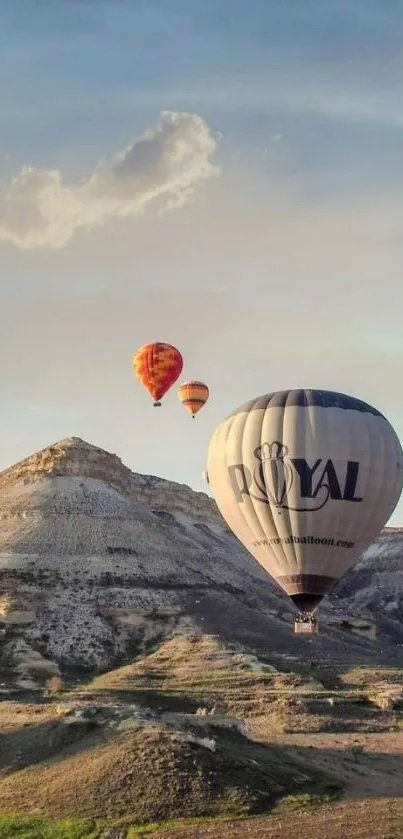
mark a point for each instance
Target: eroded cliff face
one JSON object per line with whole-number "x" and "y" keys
{"x": 97, "y": 563}
{"x": 75, "y": 458}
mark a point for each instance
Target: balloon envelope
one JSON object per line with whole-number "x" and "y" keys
{"x": 193, "y": 396}
{"x": 157, "y": 366}
{"x": 305, "y": 479}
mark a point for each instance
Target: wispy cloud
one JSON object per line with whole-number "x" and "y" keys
{"x": 165, "y": 164}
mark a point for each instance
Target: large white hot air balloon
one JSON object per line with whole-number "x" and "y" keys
{"x": 305, "y": 479}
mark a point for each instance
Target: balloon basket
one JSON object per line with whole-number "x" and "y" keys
{"x": 305, "y": 624}
{"x": 157, "y": 404}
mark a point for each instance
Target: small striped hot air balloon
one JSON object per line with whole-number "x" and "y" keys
{"x": 193, "y": 396}
{"x": 157, "y": 366}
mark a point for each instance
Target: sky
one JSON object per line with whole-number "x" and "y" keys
{"x": 226, "y": 176}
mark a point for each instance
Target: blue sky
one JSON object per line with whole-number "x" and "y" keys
{"x": 285, "y": 267}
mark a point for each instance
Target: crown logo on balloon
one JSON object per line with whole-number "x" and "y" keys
{"x": 271, "y": 451}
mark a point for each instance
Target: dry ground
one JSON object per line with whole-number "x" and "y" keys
{"x": 366, "y": 819}
{"x": 136, "y": 752}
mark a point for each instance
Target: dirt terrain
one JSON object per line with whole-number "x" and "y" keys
{"x": 366, "y": 819}
{"x": 303, "y": 752}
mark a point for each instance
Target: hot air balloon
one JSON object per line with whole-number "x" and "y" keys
{"x": 305, "y": 479}
{"x": 157, "y": 366}
{"x": 193, "y": 396}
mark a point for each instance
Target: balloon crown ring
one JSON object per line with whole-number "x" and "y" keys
{"x": 271, "y": 451}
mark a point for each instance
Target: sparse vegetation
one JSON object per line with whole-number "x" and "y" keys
{"x": 23, "y": 827}
{"x": 152, "y": 828}
{"x": 53, "y": 686}
{"x": 356, "y": 749}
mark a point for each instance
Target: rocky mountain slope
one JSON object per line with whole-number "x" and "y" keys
{"x": 98, "y": 563}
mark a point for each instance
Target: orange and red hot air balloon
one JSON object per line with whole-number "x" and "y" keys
{"x": 157, "y": 366}
{"x": 193, "y": 396}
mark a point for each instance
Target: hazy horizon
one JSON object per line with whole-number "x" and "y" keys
{"x": 225, "y": 177}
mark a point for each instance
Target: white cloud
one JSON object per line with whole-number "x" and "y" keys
{"x": 166, "y": 163}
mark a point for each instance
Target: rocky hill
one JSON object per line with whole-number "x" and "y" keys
{"x": 98, "y": 564}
